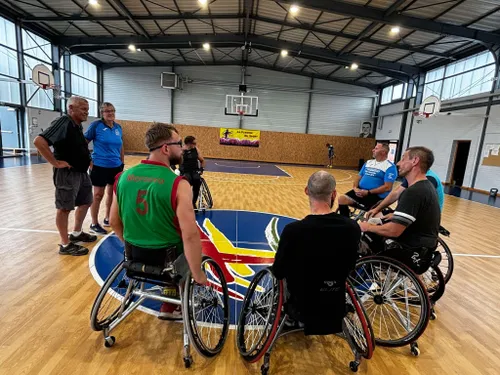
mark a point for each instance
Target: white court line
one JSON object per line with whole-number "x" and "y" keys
{"x": 38, "y": 231}
{"x": 283, "y": 171}
{"x": 476, "y": 255}
{"x": 235, "y": 166}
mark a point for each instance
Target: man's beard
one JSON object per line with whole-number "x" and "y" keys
{"x": 174, "y": 160}
{"x": 403, "y": 173}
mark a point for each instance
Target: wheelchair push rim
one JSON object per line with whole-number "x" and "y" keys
{"x": 110, "y": 301}
{"x": 446, "y": 265}
{"x": 260, "y": 315}
{"x": 358, "y": 325}
{"x": 434, "y": 282}
{"x": 395, "y": 300}
{"x": 205, "y": 193}
{"x": 206, "y": 309}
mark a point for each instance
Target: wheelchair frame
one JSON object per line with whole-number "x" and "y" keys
{"x": 204, "y": 197}
{"x": 276, "y": 328}
{"x": 128, "y": 305}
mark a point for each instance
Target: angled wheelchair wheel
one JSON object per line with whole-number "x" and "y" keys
{"x": 207, "y": 197}
{"x": 395, "y": 300}
{"x": 115, "y": 296}
{"x": 434, "y": 282}
{"x": 260, "y": 315}
{"x": 206, "y": 310}
{"x": 358, "y": 325}
{"x": 446, "y": 264}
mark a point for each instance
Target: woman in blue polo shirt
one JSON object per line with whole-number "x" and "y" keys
{"x": 107, "y": 161}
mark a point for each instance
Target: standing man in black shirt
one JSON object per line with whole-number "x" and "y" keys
{"x": 315, "y": 256}
{"x": 415, "y": 222}
{"x": 190, "y": 167}
{"x": 71, "y": 160}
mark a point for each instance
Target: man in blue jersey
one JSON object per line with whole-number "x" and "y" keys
{"x": 373, "y": 183}
{"x": 395, "y": 194}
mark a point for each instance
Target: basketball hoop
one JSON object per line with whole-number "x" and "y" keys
{"x": 430, "y": 107}
{"x": 422, "y": 114}
{"x": 241, "y": 112}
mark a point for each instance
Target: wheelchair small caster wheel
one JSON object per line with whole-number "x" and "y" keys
{"x": 109, "y": 341}
{"x": 188, "y": 362}
{"x": 353, "y": 365}
{"x": 414, "y": 349}
{"x": 264, "y": 369}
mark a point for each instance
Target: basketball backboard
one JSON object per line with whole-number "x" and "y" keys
{"x": 240, "y": 105}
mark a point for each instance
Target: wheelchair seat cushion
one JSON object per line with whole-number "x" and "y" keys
{"x": 418, "y": 259}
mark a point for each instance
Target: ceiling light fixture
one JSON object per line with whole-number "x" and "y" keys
{"x": 294, "y": 9}
{"x": 395, "y": 30}
{"x": 202, "y": 2}
{"x": 354, "y": 66}
{"x": 132, "y": 48}
{"x": 284, "y": 53}
{"x": 206, "y": 46}
{"x": 93, "y": 2}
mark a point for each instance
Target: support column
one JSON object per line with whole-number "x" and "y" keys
{"x": 57, "y": 75}
{"x": 311, "y": 87}
{"x": 23, "y": 134}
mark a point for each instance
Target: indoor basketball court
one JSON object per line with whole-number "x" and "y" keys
{"x": 272, "y": 91}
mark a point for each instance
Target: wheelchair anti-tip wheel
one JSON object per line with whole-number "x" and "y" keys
{"x": 206, "y": 309}
{"x": 395, "y": 300}
{"x": 260, "y": 315}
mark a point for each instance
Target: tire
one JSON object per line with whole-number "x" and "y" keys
{"x": 213, "y": 298}
{"x": 118, "y": 283}
{"x": 378, "y": 281}
{"x": 446, "y": 265}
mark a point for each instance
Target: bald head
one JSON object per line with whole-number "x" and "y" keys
{"x": 321, "y": 186}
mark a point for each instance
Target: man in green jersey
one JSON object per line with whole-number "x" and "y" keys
{"x": 152, "y": 208}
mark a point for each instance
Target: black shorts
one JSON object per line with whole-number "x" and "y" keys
{"x": 366, "y": 202}
{"x": 72, "y": 188}
{"x": 102, "y": 176}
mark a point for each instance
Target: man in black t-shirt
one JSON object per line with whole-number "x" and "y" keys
{"x": 192, "y": 166}
{"x": 315, "y": 256}
{"x": 71, "y": 160}
{"x": 415, "y": 222}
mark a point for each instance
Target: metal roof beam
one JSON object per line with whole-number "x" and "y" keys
{"x": 159, "y": 17}
{"x": 378, "y": 15}
{"x": 130, "y": 17}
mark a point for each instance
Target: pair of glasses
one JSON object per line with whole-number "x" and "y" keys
{"x": 167, "y": 144}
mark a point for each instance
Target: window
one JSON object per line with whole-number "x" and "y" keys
{"x": 37, "y": 51}
{"x": 9, "y": 70}
{"x": 470, "y": 76}
{"x": 84, "y": 82}
{"x": 386, "y": 95}
{"x": 397, "y": 92}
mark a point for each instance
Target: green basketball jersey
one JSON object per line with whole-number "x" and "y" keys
{"x": 146, "y": 195}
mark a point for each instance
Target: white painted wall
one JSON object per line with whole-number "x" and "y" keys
{"x": 489, "y": 177}
{"x": 438, "y": 133}
{"x": 283, "y": 99}
{"x": 389, "y": 123}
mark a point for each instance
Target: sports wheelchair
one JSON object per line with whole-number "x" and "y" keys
{"x": 264, "y": 315}
{"x": 205, "y": 197}
{"x": 446, "y": 263}
{"x": 399, "y": 302}
{"x": 205, "y": 308}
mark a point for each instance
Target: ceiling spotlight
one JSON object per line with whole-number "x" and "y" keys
{"x": 93, "y": 2}
{"x": 354, "y": 66}
{"x": 294, "y": 9}
{"x": 395, "y": 30}
{"x": 132, "y": 48}
{"x": 284, "y": 53}
{"x": 202, "y": 2}
{"x": 206, "y": 46}
{"x": 139, "y": 50}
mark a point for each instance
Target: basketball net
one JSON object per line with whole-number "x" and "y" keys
{"x": 56, "y": 90}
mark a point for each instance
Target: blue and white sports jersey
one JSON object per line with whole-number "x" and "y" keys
{"x": 374, "y": 174}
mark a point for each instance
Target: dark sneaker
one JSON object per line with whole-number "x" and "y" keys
{"x": 83, "y": 237}
{"x": 106, "y": 222}
{"x": 97, "y": 229}
{"x": 73, "y": 249}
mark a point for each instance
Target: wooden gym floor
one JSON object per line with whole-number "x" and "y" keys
{"x": 45, "y": 298}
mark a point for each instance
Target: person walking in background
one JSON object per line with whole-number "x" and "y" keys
{"x": 107, "y": 161}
